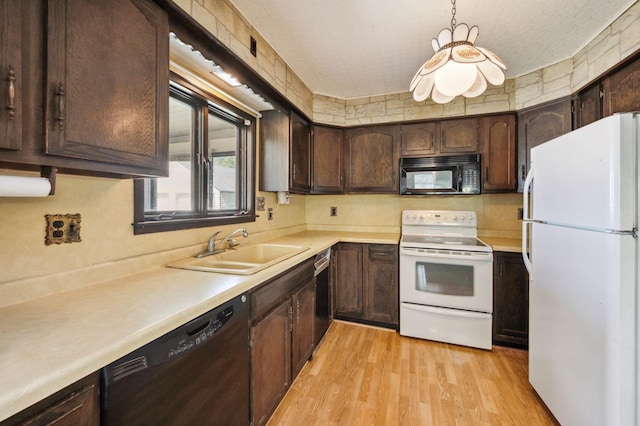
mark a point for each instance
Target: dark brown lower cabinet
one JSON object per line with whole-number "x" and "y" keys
{"x": 77, "y": 404}
{"x": 366, "y": 283}
{"x": 271, "y": 359}
{"x": 282, "y": 332}
{"x": 303, "y": 305}
{"x": 510, "y": 300}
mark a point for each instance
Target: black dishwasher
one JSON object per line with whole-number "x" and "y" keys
{"x": 197, "y": 374}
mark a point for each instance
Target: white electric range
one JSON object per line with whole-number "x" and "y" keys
{"x": 446, "y": 278}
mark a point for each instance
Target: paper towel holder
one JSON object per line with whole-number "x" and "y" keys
{"x": 49, "y": 173}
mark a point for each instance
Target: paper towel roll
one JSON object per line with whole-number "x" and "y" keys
{"x": 24, "y": 186}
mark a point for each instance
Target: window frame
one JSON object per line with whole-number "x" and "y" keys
{"x": 206, "y": 102}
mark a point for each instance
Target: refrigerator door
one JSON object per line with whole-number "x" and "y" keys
{"x": 587, "y": 178}
{"x": 582, "y": 325}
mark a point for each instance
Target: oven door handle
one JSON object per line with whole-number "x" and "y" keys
{"x": 445, "y": 311}
{"x": 446, "y": 255}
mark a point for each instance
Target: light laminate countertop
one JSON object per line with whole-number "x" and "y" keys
{"x": 51, "y": 342}
{"x": 513, "y": 245}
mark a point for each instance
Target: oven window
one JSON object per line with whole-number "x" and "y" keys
{"x": 452, "y": 280}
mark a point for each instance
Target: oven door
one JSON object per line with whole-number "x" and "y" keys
{"x": 447, "y": 278}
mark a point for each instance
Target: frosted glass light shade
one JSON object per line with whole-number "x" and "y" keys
{"x": 457, "y": 67}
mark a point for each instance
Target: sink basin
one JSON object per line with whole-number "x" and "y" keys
{"x": 243, "y": 261}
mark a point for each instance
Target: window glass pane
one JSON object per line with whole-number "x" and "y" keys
{"x": 223, "y": 158}
{"x": 174, "y": 193}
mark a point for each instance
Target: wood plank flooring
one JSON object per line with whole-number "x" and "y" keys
{"x": 370, "y": 376}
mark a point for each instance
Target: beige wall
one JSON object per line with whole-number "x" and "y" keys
{"x": 497, "y": 213}
{"x": 106, "y": 207}
{"x": 29, "y": 267}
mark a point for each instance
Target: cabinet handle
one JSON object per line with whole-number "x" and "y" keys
{"x": 11, "y": 93}
{"x": 290, "y": 318}
{"x": 523, "y": 174}
{"x": 486, "y": 174}
{"x": 297, "y": 311}
{"x": 61, "y": 103}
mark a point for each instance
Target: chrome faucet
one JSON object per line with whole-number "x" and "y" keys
{"x": 215, "y": 247}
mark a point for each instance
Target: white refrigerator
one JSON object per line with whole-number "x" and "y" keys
{"x": 581, "y": 217}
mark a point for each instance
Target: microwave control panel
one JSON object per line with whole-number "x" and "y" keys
{"x": 471, "y": 178}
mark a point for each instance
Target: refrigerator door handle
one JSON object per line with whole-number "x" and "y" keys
{"x": 525, "y": 222}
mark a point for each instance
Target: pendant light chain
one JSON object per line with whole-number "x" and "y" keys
{"x": 453, "y": 14}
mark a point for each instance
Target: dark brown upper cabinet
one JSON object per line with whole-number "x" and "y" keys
{"x": 106, "y": 89}
{"x": 11, "y": 74}
{"x": 419, "y": 139}
{"x": 328, "y": 160}
{"x": 300, "y": 154}
{"x": 499, "y": 153}
{"x": 274, "y": 151}
{"x": 538, "y": 125}
{"x": 94, "y": 87}
{"x": 285, "y": 152}
{"x": 589, "y": 106}
{"x": 621, "y": 90}
{"x": 372, "y": 159}
{"x": 459, "y": 136}
{"x": 445, "y": 137}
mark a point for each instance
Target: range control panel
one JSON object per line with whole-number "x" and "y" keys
{"x": 439, "y": 217}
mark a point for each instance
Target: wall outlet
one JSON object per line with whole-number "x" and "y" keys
{"x": 62, "y": 228}
{"x": 334, "y": 211}
{"x": 270, "y": 213}
{"x": 260, "y": 204}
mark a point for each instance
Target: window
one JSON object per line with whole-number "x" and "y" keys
{"x": 211, "y": 166}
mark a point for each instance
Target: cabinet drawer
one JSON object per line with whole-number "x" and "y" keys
{"x": 383, "y": 252}
{"x": 269, "y": 294}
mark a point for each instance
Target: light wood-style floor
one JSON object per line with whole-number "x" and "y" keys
{"x": 370, "y": 376}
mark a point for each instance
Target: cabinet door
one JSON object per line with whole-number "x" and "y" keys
{"x": 349, "y": 285}
{"x": 589, "y": 106}
{"x": 539, "y": 125}
{"x": 621, "y": 90}
{"x": 304, "y": 305}
{"x": 381, "y": 278}
{"x": 274, "y": 151}
{"x": 419, "y": 139}
{"x": 328, "y": 161}
{"x": 459, "y": 136}
{"x": 271, "y": 361}
{"x": 510, "y": 300}
{"x": 300, "y": 178}
{"x": 10, "y": 74}
{"x": 106, "y": 87}
{"x": 498, "y": 136}
{"x": 372, "y": 159}
{"x": 77, "y": 404}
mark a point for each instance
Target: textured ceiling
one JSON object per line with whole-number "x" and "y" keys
{"x": 356, "y": 48}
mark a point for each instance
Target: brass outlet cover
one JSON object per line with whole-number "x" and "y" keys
{"x": 62, "y": 228}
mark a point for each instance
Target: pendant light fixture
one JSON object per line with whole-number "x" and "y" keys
{"x": 457, "y": 67}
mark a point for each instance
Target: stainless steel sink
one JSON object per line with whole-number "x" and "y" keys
{"x": 243, "y": 261}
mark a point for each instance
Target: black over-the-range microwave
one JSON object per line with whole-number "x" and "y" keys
{"x": 459, "y": 174}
